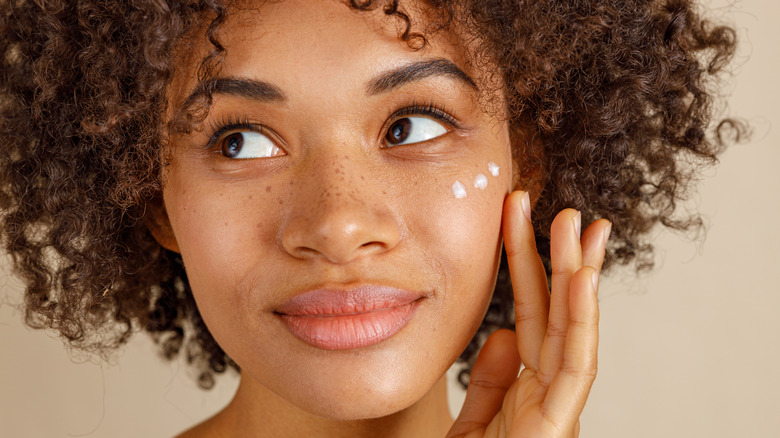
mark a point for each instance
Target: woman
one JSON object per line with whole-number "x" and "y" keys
{"x": 335, "y": 184}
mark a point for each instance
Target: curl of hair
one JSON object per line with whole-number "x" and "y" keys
{"x": 618, "y": 94}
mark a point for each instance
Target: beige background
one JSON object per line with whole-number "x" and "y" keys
{"x": 690, "y": 350}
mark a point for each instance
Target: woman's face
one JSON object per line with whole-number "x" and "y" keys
{"x": 338, "y": 214}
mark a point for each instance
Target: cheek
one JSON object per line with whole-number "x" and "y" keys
{"x": 479, "y": 182}
{"x": 461, "y": 235}
{"x": 470, "y": 213}
{"x": 218, "y": 235}
{"x": 460, "y": 226}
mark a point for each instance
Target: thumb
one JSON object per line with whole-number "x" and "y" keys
{"x": 493, "y": 373}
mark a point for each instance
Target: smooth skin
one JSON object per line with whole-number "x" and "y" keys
{"x": 556, "y": 339}
{"x": 339, "y": 208}
{"x": 557, "y": 334}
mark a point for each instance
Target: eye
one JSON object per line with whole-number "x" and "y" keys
{"x": 248, "y": 144}
{"x": 410, "y": 130}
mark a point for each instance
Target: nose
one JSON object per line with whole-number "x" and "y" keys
{"x": 339, "y": 214}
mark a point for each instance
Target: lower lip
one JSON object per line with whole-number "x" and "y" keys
{"x": 350, "y": 331}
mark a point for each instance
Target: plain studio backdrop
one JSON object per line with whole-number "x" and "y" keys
{"x": 688, "y": 350}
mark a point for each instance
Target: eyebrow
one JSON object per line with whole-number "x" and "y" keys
{"x": 417, "y": 71}
{"x": 240, "y": 87}
{"x": 387, "y": 81}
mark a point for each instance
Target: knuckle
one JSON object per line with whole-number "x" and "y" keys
{"x": 585, "y": 372}
{"x": 560, "y": 272}
{"x": 527, "y": 315}
{"x": 579, "y": 323}
{"x": 513, "y": 251}
{"x": 548, "y": 417}
{"x": 557, "y": 331}
{"x": 484, "y": 382}
{"x": 543, "y": 379}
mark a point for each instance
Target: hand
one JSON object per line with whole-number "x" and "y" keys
{"x": 557, "y": 334}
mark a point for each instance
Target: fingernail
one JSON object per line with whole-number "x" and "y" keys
{"x": 578, "y": 224}
{"x": 595, "y": 279}
{"x": 525, "y": 202}
{"x": 607, "y": 233}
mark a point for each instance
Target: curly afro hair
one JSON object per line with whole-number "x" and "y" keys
{"x": 619, "y": 94}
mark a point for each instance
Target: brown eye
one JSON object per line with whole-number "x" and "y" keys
{"x": 399, "y": 131}
{"x": 232, "y": 144}
{"x": 248, "y": 144}
{"x": 413, "y": 130}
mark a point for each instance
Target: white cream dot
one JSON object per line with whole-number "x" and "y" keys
{"x": 493, "y": 169}
{"x": 459, "y": 190}
{"x": 481, "y": 182}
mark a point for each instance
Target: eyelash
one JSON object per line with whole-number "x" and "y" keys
{"x": 218, "y": 128}
{"x": 429, "y": 109}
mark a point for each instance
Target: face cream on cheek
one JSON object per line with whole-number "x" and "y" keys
{"x": 481, "y": 182}
{"x": 459, "y": 190}
{"x": 493, "y": 168}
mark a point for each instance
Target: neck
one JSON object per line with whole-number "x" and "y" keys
{"x": 255, "y": 411}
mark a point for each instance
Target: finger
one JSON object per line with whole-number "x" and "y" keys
{"x": 594, "y": 241}
{"x": 566, "y": 259}
{"x": 493, "y": 373}
{"x": 569, "y": 389}
{"x": 529, "y": 279}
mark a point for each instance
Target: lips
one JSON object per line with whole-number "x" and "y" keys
{"x": 334, "y": 319}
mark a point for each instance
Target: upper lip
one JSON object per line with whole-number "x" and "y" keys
{"x": 337, "y": 301}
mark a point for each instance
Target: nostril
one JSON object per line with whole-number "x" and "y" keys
{"x": 305, "y": 252}
{"x": 373, "y": 246}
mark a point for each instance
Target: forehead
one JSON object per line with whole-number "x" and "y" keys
{"x": 300, "y": 45}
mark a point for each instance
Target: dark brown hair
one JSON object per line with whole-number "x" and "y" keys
{"x": 619, "y": 94}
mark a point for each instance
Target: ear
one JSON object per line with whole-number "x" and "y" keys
{"x": 529, "y": 159}
{"x": 157, "y": 222}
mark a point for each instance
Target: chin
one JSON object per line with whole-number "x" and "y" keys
{"x": 365, "y": 403}
{"x": 360, "y": 384}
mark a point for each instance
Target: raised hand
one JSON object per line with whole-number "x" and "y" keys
{"x": 557, "y": 334}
